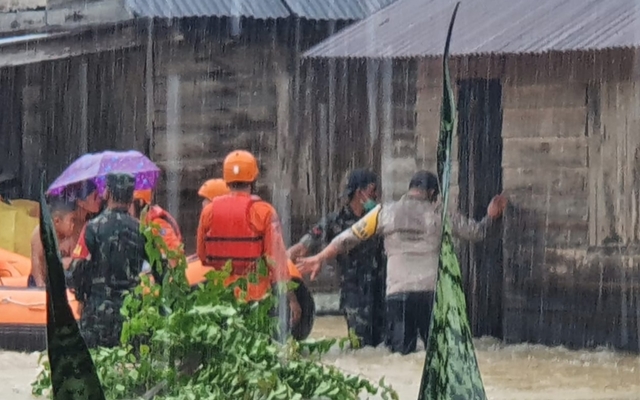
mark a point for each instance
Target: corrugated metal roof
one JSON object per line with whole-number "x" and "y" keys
{"x": 258, "y": 9}
{"x": 21, "y": 5}
{"x": 417, "y": 28}
{"x": 336, "y": 9}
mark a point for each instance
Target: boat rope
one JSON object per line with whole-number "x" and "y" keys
{"x": 9, "y": 300}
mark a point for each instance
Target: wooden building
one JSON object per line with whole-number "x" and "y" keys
{"x": 226, "y": 79}
{"x": 186, "y": 83}
{"x": 548, "y": 113}
{"x": 66, "y": 88}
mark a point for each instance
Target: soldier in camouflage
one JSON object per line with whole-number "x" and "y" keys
{"x": 106, "y": 263}
{"x": 362, "y": 281}
{"x": 411, "y": 228}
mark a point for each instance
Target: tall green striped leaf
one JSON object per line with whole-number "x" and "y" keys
{"x": 451, "y": 369}
{"x": 73, "y": 374}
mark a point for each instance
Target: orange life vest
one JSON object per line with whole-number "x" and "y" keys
{"x": 156, "y": 212}
{"x": 231, "y": 235}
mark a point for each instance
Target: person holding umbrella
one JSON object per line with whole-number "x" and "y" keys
{"x": 82, "y": 198}
{"x": 107, "y": 263}
{"x": 84, "y": 181}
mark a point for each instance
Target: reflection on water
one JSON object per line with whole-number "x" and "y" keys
{"x": 514, "y": 372}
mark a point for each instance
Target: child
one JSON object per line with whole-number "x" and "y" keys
{"x": 63, "y": 215}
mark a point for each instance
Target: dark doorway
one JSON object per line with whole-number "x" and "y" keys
{"x": 480, "y": 178}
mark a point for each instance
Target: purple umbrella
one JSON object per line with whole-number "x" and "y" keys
{"x": 96, "y": 167}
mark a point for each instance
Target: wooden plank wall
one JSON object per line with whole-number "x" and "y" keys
{"x": 570, "y": 169}
{"x": 228, "y": 100}
{"x": 545, "y": 169}
{"x": 71, "y": 106}
{"x": 614, "y": 153}
{"x": 331, "y": 138}
{"x": 545, "y": 157}
{"x": 405, "y": 151}
{"x": 10, "y": 140}
{"x": 571, "y": 271}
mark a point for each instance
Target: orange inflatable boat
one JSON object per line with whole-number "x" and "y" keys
{"x": 23, "y": 315}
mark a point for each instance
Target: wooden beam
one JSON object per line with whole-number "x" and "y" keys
{"x": 58, "y": 46}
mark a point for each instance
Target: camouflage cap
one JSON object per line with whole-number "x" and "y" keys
{"x": 121, "y": 182}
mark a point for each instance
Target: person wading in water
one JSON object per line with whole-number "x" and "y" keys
{"x": 411, "y": 228}
{"x": 362, "y": 280}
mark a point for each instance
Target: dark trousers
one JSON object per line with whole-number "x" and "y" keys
{"x": 364, "y": 310}
{"x": 408, "y": 314}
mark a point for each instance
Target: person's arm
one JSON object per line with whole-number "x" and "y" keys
{"x": 468, "y": 228}
{"x": 312, "y": 240}
{"x": 38, "y": 265}
{"x": 472, "y": 230}
{"x": 79, "y": 273}
{"x": 203, "y": 225}
{"x": 367, "y": 227}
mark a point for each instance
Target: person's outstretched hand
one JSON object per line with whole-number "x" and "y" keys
{"x": 497, "y": 206}
{"x": 309, "y": 266}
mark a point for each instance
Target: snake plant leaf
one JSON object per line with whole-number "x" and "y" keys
{"x": 451, "y": 369}
{"x": 73, "y": 374}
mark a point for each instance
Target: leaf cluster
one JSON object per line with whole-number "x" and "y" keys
{"x": 206, "y": 343}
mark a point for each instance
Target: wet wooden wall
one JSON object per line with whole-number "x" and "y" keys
{"x": 253, "y": 92}
{"x": 79, "y": 105}
{"x": 212, "y": 97}
{"x": 570, "y": 166}
{"x": 67, "y": 107}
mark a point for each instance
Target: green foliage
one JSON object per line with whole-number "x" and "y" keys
{"x": 207, "y": 344}
{"x": 73, "y": 374}
{"x": 451, "y": 368}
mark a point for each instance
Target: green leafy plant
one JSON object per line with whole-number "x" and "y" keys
{"x": 72, "y": 373}
{"x": 180, "y": 343}
{"x": 451, "y": 368}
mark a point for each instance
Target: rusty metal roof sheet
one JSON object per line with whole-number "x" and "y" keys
{"x": 258, "y": 9}
{"x": 336, "y": 9}
{"x": 417, "y": 28}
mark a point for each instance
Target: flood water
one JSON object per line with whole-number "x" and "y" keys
{"x": 513, "y": 372}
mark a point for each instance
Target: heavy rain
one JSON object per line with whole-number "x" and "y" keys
{"x": 168, "y": 92}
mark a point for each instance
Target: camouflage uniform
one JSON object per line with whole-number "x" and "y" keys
{"x": 411, "y": 228}
{"x": 362, "y": 282}
{"x": 107, "y": 262}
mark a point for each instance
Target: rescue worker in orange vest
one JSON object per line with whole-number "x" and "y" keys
{"x": 195, "y": 273}
{"x": 170, "y": 231}
{"x": 241, "y": 227}
{"x": 212, "y": 189}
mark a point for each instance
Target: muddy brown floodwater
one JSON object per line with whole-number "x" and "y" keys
{"x": 510, "y": 372}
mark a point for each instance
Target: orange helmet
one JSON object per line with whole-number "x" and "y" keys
{"x": 240, "y": 166}
{"x": 213, "y": 188}
{"x": 144, "y": 195}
